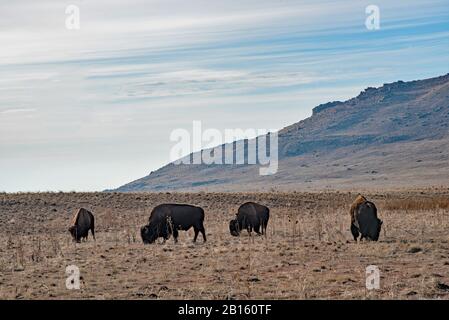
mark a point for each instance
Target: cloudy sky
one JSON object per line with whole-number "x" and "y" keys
{"x": 93, "y": 108}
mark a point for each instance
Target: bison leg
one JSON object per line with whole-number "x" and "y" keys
{"x": 196, "y": 233}
{"x": 261, "y": 226}
{"x": 355, "y": 232}
{"x": 203, "y": 232}
{"x": 175, "y": 234}
{"x": 264, "y": 229}
{"x": 198, "y": 230}
{"x": 93, "y": 231}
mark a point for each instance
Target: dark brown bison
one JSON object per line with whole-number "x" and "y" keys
{"x": 364, "y": 220}
{"x": 167, "y": 219}
{"x": 250, "y": 216}
{"x": 82, "y": 222}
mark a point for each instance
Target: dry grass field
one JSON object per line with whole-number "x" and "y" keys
{"x": 308, "y": 252}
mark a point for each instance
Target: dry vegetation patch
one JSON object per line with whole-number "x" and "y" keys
{"x": 307, "y": 252}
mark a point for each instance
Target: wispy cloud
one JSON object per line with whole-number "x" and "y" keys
{"x": 204, "y": 81}
{"x": 13, "y": 111}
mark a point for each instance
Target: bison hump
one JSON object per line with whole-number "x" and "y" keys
{"x": 83, "y": 218}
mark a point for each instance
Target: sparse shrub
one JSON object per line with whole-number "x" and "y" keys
{"x": 318, "y": 228}
{"x": 56, "y": 248}
{"x": 417, "y": 204}
{"x": 36, "y": 253}
{"x": 130, "y": 235}
{"x": 9, "y": 243}
{"x": 19, "y": 257}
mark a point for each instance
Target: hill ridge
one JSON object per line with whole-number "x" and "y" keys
{"x": 393, "y": 119}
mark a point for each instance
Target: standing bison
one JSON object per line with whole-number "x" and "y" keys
{"x": 82, "y": 222}
{"x": 364, "y": 219}
{"x": 167, "y": 219}
{"x": 250, "y": 216}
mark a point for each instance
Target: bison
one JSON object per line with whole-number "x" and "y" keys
{"x": 250, "y": 216}
{"x": 167, "y": 219}
{"x": 82, "y": 222}
{"x": 364, "y": 219}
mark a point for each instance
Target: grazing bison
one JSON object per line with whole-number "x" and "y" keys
{"x": 364, "y": 219}
{"x": 167, "y": 219}
{"x": 82, "y": 222}
{"x": 250, "y": 216}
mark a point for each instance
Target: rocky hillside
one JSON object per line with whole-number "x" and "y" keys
{"x": 393, "y": 136}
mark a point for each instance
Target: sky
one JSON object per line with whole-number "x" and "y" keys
{"x": 93, "y": 108}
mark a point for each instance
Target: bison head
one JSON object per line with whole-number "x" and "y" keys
{"x": 148, "y": 234}
{"x": 234, "y": 228}
{"x": 74, "y": 232}
{"x": 154, "y": 230}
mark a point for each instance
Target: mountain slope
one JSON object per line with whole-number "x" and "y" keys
{"x": 396, "y": 135}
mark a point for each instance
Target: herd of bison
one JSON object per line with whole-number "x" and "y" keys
{"x": 167, "y": 219}
{"x": 305, "y": 250}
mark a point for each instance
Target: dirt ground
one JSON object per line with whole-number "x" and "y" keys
{"x": 308, "y": 252}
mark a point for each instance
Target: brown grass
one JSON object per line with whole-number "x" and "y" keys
{"x": 307, "y": 252}
{"x": 427, "y": 203}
